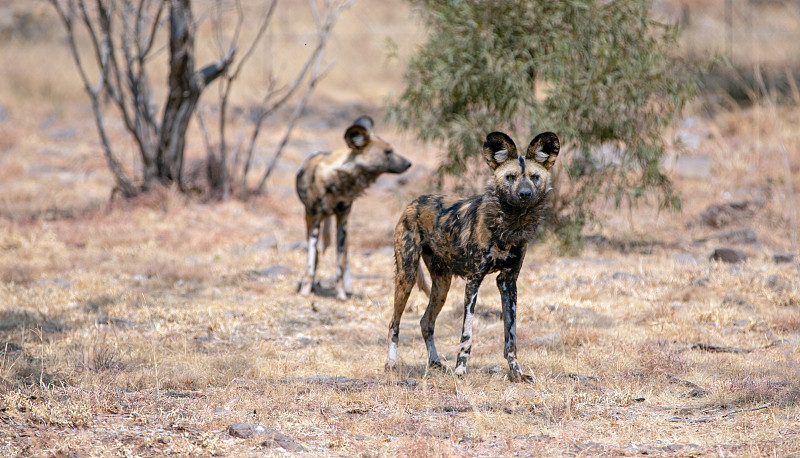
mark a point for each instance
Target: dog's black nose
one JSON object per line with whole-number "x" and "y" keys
{"x": 525, "y": 194}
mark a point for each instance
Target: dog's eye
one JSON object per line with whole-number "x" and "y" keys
{"x": 511, "y": 177}
{"x": 388, "y": 152}
{"x": 535, "y": 177}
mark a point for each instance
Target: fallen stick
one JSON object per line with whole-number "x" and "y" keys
{"x": 725, "y": 349}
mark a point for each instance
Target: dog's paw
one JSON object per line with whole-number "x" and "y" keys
{"x": 460, "y": 371}
{"x": 390, "y": 365}
{"x": 519, "y": 377}
{"x": 435, "y": 365}
{"x": 304, "y": 289}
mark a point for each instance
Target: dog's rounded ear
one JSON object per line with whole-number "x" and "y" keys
{"x": 498, "y": 148}
{"x": 357, "y": 137}
{"x": 365, "y": 122}
{"x": 544, "y": 149}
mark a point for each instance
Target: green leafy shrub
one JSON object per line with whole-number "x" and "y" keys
{"x": 603, "y": 75}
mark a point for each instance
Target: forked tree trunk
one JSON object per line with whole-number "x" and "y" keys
{"x": 185, "y": 87}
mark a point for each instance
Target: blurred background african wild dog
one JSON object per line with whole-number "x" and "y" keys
{"x": 329, "y": 182}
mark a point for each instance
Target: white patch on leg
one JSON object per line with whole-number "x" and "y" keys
{"x": 391, "y": 358}
{"x": 348, "y": 279}
{"x": 312, "y": 251}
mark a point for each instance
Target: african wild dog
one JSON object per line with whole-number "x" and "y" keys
{"x": 329, "y": 182}
{"x": 474, "y": 237}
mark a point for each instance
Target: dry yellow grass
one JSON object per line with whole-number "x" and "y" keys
{"x": 148, "y": 327}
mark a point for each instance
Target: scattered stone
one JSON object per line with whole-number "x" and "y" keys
{"x": 740, "y": 323}
{"x": 274, "y": 438}
{"x": 729, "y": 255}
{"x": 737, "y": 301}
{"x": 784, "y": 258}
{"x": 278, "y": 439}
{"x": 695, "y": 393}
{"x": 267, "y": 243}
{"x": 298, "y": 246}
{"x": 245, "y": 430}
{"x": 723, "y": 214}
{"x": 701, "y": 281}
{"x": 272, "y": 271}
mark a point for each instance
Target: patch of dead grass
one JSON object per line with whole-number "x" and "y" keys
{"x": 147, "y": 326}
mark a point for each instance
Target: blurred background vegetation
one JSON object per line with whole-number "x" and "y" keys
{"x": 605, "y": 76}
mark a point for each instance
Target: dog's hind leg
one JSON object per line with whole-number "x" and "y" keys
{"x": 344, "y": 282}
{"x": 312, "y": 229}
{"x": 406, "y": 254}
{"x": 440, "y": 285}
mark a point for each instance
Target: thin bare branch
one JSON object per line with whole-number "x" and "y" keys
{"x": 295, "y": 116}
{"x": 123, "y": 182}
{"x": 331, "y": 15}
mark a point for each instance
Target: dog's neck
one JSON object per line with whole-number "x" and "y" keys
{"x": 353, "y": 180}
{"x": 513, "y": 225}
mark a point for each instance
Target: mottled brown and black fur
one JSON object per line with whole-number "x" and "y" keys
{"x": 329, "y": 182}
{"x": 474, "y": 237}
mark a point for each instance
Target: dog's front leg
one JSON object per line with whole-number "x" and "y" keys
{"x": 344, "y": 282}
{"x": 312, "y": 227}
{"x": 507, "y": 284}
{"x": 464, "y": 348}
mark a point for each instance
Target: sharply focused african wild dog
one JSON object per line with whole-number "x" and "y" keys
{"x": 474, "y": 237}
{"x": 329, "y": 182}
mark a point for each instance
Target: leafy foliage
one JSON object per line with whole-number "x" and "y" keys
{"x": 598, "y": 73}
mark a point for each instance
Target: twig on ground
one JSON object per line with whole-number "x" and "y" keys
{"x": 726, "y": 349}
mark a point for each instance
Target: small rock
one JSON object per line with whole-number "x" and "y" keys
{"x": 267, "y": 243}
{"x": 278, "y": 439}
{"x": 784, "y": 258}
{"x": 740, "y": 323}
{"x": 245, "y": 430}
{"x": 701, "y": 281}
{"x": 297, "y": 246}
{"x": 696, "y": 392}
{"x": 729, "y": 255}
{"x": 272, "y": 271}
{"x": 723, "y": 214}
